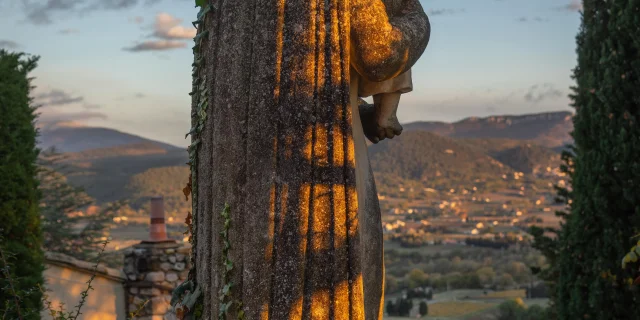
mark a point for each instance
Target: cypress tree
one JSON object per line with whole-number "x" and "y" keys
{"x": 605, "y": 209}
{"x": 21, "y": 239}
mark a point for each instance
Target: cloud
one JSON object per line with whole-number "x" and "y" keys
{"x": 538, "y": 93}
{"x": 137, "y": 95}
{"x": 91, "y": 106}
{"x": 156, "y": 45}
{"x": 69, "y": 31}
{"x": 42, "y": 12}
{"x": 8, "y": 44}
{"x": 443, "y": 12}
{"x": 534, "y": 19}
{"x": 573, "y": 6}
{"x": 168, "y": 27}
{"x": 136, "y": 20}
{"x": 169, "y": 34}
{"x": 52, "y": 117}
{"x": 56, "y": 97}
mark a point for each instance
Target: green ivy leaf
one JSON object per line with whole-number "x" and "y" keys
{"x": 200, "y": 3}
{"x": 229, "y": 265}
{"x": 203, "y": 12}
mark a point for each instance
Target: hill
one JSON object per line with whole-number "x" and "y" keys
{"x": 522, "y": 156}
{"x": 71, "y": 137}
{"x": 550, "y": 129}
{"x": 131, "y": 167}
{"x": 165, "y": 181}
{"x": 105, "y": 178}
{"x": 420, "y": 155}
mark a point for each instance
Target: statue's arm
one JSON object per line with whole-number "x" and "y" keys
{"x": 383, "y": 48}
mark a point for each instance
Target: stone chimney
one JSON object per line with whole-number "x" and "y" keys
{"x": 157, "y": 226}
{"x": 154, "y": 267}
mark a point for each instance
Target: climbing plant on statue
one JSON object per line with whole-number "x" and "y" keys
{"x": 186, "y": 300}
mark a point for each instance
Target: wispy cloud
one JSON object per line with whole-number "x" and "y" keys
{"x": 168, "y": 27}
{"x": 156, "y": 45}
{"x": 538, "y": 93}
{"x": 60, "y": 105}
{"x": 168, "y": 34}
{"x": 57, "y": 116}
{"x": 534, "y": 19}
{"x": 136, "y": 20}
{"x": 69, "y": 31}
{"x": 137, "y": 95}
{"x": 56, "y": 97}
{"x": 573, "y": 6}
{"x": 44, "y": 12}
{"x": 8, "y": 44}
{"x": 91, "y": 106}
{"x": 60, "y": 98}
{"x": 443, "y": 12}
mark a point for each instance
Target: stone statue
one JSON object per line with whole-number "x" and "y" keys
{"x": 286, "y": 220}
{"x": 386, "y": 94}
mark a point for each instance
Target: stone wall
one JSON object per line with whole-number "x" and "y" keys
{"x": 153, "y": 270}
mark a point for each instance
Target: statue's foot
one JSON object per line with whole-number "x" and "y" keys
{"x": 388, "y": 128}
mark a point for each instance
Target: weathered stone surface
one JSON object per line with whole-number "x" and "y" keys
{"x": 293, "y": 165}
{"x": 184, "y": 274}
{"x": 169, "y": 251}
{"x": 133, "y": 290}
{"x": 171, "y": 276}
{"x": 150, "y": 291}
{"x": 186, "y": 249}
{"x": 155, "y": 276}
{"x": 166, "y": 266}
{"x": 164, "y": 258}
{"x": 179, "y": 266}
{"x": 180, "y": 257}
{"x": 172, "y": 259}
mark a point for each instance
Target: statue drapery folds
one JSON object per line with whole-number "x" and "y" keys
{"x": 283, "y": 146}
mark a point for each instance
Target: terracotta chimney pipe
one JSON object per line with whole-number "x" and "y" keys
{"x": 157, "y": 228}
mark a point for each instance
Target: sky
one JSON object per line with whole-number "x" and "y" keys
{"x": 126, "y": 64}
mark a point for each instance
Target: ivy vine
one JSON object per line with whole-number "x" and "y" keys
{"x": 225, "y": 291}
{"x": 198, "y": 118}
{"x": 187, "y": 297}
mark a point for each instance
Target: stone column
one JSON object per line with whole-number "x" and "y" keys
{"x": 154, "y": 267}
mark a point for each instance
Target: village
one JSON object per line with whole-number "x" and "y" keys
{"x": 450, "y": 216}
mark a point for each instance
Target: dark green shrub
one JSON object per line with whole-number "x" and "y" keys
{"x": 19, "y": 196}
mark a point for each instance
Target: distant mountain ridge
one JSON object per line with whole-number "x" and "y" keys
{"x": 550, "y": 129}
{"x": 113, "y": 165}
{"x": 72, "y": 137}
